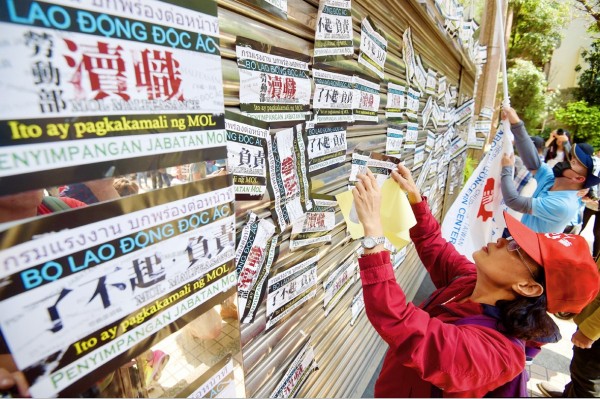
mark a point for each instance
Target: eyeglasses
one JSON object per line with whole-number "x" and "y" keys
{"x": 513, "y": 246}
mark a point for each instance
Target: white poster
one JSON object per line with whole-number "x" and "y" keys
{"x": 373, "y": 48}
{"x": 366, "y": 100}
{"x": 332, "y": 100}
{"x": 338, "y": 282}
{"x": 394, "y": 140}
{"x": 326, "y": 145}
{"x": 333, "y": 33}
{"x": 412, "y": 103}
{"x": 274, "y": 82}
{"x": 396, "y": 101}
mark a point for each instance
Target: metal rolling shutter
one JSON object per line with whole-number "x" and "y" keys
{"x": 347, "y": 355}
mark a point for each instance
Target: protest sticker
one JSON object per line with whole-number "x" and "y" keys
{"x": 441, "y": 89}
{"x": 216, "y": 382}
{"x": 420, "y": 76}
{"x": 408, "y": 54}
{"x": 486, "y": 113}
{"x": 314, "y": 229}
{"x": 427, "y": 111}
{"x": 256, "y": 251}
{"x": 295, "y": 376}
{"x": 274, "y": 82}
{"x": 394, "y": 140}
{"x": 332, "y": 100}
{"x": 465, "y": 111}
{"x": 412, "y": 103}
{"x": 431, "y": 82}
{"x": 365, "y": 101}
{"x": 418, "y": 157}
{"x": 288, "y": 172}
{"x": 339, "y": 282}
{"x": 99, "y": 101}
{"x": 326, "y": 146}
{"x": 83, "y": 295}
{"x": 396, "y": 101}
{"x": 379, "y": 164}
{"x": 275, "y": 7}
{"x": 357, "y": 306}
{"x": 412, "y": 133}
{"x": 333, "y": 33}
{"x": 373, "y": 48}
{"x": 247, "y": 143}
{"x": 430, "y": 143}
{"x": 288, "y": 289}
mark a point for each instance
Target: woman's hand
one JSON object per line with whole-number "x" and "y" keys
{"x": 404, "y": 178}
{"x": 367, "y": 201}
{"x": 581, "y": 341}
{"x": 511, "y": 114}
{"x": 508, "y": 160}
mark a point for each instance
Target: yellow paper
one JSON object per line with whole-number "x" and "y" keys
{"x": 396, "y": 214}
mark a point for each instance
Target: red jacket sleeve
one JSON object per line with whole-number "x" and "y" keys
{"x": 440, "y": 258}
{"x": 454, "y": 358}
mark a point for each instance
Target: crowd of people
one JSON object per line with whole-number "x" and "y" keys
{"x": 472, "y": 336}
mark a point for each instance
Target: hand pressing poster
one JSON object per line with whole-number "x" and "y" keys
{"x": 247, "y": 143}
{"x": 256, "y": 251}
{"x": 333, "y": 33}
{"x": 396, "y": 101}
{"x": 366, "y": 99}
{"x": 288, "y": 169}
{"x": 332, "y": 100}
{"x": 105, "y": 92}
{"x": 326, "y": 145}
{"x": 379, "y": 164}
{"x": 373, "y": 48}
{"x": 274, "y": 82}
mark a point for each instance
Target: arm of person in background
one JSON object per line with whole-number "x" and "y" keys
{"x": 588, "y": 331}
{"x": 511, "y": 197}
{"x": 550, "y": 139}
{"x": 103, "y": 189}
{"x": 438, "y": 352}
{"x": 523, "y": 143}
{"x": 440, "y": 258}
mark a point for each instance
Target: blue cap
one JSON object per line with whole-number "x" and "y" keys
{"x": 586, "y": 160}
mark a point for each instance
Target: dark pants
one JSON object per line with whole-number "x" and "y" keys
{"x": 585, "y": 373}
{"x": 587, "y": 214}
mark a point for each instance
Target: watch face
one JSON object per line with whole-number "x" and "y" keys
{"x": 369, "y": 243}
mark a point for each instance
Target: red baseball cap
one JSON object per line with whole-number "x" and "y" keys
{"x": 572, "y": 278}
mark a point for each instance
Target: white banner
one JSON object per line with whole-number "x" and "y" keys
{"x": 475, "y": 218}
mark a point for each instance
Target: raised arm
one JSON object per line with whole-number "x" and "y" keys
{"x": 511, "y": 197}
{"x": 523, "y": 143}
{"x": 440, "y": 258}
{"x": 453, "y": 358}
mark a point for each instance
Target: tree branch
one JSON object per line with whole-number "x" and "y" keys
{"x": 594, "y": 13}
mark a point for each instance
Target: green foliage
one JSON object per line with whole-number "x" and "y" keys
{"x": 589, "y": 81}
{"x": 536, "y": 29}
{"x": 527, "y": 90}
{"x": 583, "y": 120}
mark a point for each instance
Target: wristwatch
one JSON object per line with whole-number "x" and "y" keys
{"x": 371, "y": 242}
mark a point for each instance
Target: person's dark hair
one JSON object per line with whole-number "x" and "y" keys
{"x": 526, "y": 317}
{"x": 553, "y": 148}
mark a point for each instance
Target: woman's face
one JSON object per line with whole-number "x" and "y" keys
{"x": 502, "y": 267}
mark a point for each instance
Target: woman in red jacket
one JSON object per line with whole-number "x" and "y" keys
{"x": 467, "y": 339}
